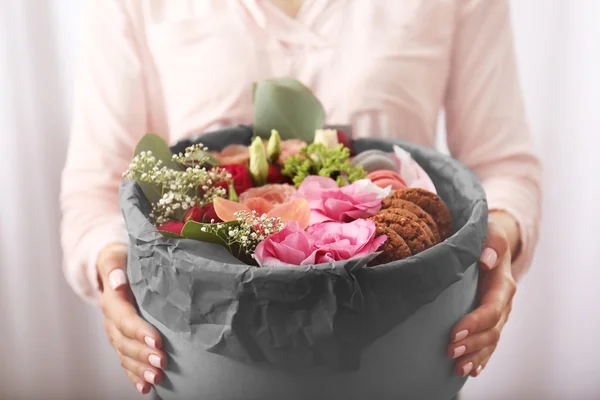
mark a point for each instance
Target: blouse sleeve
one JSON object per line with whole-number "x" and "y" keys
{"x": 485, "y": 118}
{"x": 109, "y": 118}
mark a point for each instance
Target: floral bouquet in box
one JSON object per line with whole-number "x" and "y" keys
{"x": 285, "y": 260}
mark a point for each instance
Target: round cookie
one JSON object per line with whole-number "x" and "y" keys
{"x": 411, "y": 231}
{"x": 393, "y": 249}
{"x": 419, "y": 212}
{"x": 412, "y": 216}
{"x": 431, "y": 203}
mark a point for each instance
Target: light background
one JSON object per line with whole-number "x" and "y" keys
{"x": 52, "y": 345}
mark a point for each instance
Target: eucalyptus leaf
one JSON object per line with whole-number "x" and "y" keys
{"x": 289, "y": 107}
{"x": 197, "y": 155}
{"x": 161, "y": 151}
{"x": 159, "y": 148}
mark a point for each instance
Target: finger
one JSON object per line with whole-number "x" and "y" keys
{"x": 110, "y": 265}
{"x": 142, "y": 353}
{"x": 141, "y": 386}
{"x": 474, "y": 343}
{"x": 481, "y": 367}
{"x": 495, "y": 247}
{"x": 469, "y": 364}
{"x": 495, "y": 303}
{"x": 482, "y": 319}
{"x": 143, "y": 371}
{"x": 124, "y": 316}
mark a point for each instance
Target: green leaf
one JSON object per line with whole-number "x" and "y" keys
{"x": 207, "y": 159}
{"x": 289, "y": 107}
{"x": 160, "y": 149}
{"x": 170, "y": 234}
{"x": 208, "y": 232}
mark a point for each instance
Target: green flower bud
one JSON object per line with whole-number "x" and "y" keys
{"x": 274, "y": 147}
{"x": 259, "y": 167}
{"x": 232, "y": 193}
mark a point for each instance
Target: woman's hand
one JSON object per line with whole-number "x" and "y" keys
{"x": 475, "y": 337}
{"x": 136, "y": 342}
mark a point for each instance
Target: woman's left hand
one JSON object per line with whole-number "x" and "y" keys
{"x": 475, "y": 337}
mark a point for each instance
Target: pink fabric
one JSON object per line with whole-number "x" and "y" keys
{"x": 179, "y": 68}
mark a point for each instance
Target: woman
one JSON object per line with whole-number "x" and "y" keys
{"x": 385, "y": 67}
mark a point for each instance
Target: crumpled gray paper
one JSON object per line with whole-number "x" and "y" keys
{"x": 309, "y": 325}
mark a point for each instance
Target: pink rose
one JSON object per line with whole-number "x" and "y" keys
{"x": 289, "y": 148}
{"x": 342, "y": 241}
{"x": 329, "y": 202}
{"x": 321, "y": 243}
{"x": 273, "y": 193}
{"x": 290, "y": 246}
{"x": 232, "y": 154}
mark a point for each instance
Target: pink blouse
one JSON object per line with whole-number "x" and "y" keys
{"x": 183, "y": 67}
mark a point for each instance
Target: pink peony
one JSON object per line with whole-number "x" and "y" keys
{"x": 329, "y": 202}
{"x": 273, "y": 193}
{"x": 321, "y": 243}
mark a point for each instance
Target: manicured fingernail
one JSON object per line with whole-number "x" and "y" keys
{"x": 489, "y": 257}
{"x": 478, "y": 371}
{"x": 467, "y": 368}
{"x": 116, "y": 279}
{"x": 141, "y": 388}
{"x": 461, "y": 335}
{"x": 150, "y": 341}
{"x": 155, "y": 360}
{"x": 459, "y": 351}
{"x": 149, "y": 376}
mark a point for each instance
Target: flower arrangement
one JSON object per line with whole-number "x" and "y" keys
{"x": 296, "y": 195}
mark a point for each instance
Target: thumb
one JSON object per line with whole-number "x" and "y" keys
{"x": 496, "y": 246}
{"x": 110, "y": 265}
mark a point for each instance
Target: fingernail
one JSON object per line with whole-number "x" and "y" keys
{"x": 155, "y": 360}
{"x": 459, "y": 351}
{"x": 149, "y": 376}
{"x": 461, "y": 335}
{"x": 467, "y": 368}
{"x": 150, "y": 341}
{"x": 140, "y": 387}
{"x": 489, "y": 257}
{"x": 478, "y": 371}
{"x": 116, "y": 279}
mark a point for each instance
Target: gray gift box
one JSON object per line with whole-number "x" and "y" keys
{"x": 331, "y": 331}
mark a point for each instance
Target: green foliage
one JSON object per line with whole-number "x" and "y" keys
{"x": 316, "y": 159}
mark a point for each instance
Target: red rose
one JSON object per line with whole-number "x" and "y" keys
{"x": 343, "y": 139}
{"x": 173, "y": 227}
{"x": 195, "y": 214}
{"x": 275, "y": 175}
{"x": 242, "y": 180}
{"x": 210, "y": 214}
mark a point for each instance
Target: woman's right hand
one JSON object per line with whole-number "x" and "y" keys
{"x": 136, "y": 342}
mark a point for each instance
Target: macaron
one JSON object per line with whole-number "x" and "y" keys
{"x": 383, "y": 179}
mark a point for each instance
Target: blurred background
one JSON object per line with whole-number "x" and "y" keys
{"x": 52, "y": 345}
